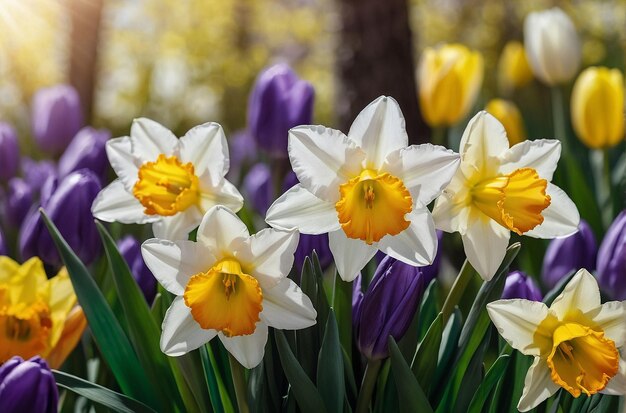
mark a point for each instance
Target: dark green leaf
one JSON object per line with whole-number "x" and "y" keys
{"x": 429, "y": 308}
{"x": 342, "y": 304}
{"x": 411, "y": 395}
{"x": 558, "y": 288}
{"x": 424, "y": 362}
{"x": 491, "y": 379}
{"x": 220, "y": 400}
{"x": 330, "y": 380}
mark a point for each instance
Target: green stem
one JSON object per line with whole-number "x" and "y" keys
{"x": 439, "y": 136}
{"x": 602, "y": 176}
{"x": 239, "y": 380}
{"x": 457, "y": 290}
{"x": 559, "y": 118}
{"x": 367, "y": 386}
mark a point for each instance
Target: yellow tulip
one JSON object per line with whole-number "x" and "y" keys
{"x": 513, "y": 68}
{"x": 37, "y": 316}
{"x": 449, "y": 80}
{"x": 509, "y": 115}
{"x": 598, "y": 107}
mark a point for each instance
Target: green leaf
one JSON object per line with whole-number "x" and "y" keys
{"x": 429, "y": 308}
{"x": 342, "y": 304}
{"x": 109, "y": 335}
{"x": 411, "y": 395}
{"x": 309, "y": 339}
{"x": 582, "y": 195}
{"x": 303, "y": 389}
{"x": 558, "y": 288}
{"x": 220, "y": 399}
{"x": 473, "y": 376}
{"x": 424, "y": 362}
{"x": 491, "y": 379}
{"x": 143, "y": 330}
{"x": 330, "y": 380}
{"x": 96, "y": 393}
{"x": 449, "y": 343}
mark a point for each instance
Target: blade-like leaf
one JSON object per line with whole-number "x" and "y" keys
{"x": 411, "y": 395}
{"x": 330, "y": 380}
{"x": 424, "y": 362}
{"x": 491, "y": 378}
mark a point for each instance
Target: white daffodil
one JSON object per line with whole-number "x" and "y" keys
{"x": 367, "y": 190}
{"x": 575, "y": 341}
{"x": 167, "y": 181}
{"x": 228, "y": 284}
{"x": 498, "y": 189}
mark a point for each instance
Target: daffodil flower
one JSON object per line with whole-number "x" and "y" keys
{"x": 367, "y": 190}
{"x": 167, "y": 181}
{"x": 228, "y": 284}
{"x": 575, "y": 341}
{"x": 498, "y": 189}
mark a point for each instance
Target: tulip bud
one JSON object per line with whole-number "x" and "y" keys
{"x": 598, "y": 107}
{"x": 510, "y": 117}
{"x": 18, "y": 202}
{"x": 449, "y": 80}
{"x": 27, "y": 386}
{"x": 611, "y": 272}
{"x": 9, "y": 152}
{"x": 388, "y": 306}
{"x": 37, "y": 173}
{"x": 519, "y": 285}
{"x": 513, "y": 68}
{"x": 69, "y": 208}
{"x": 306, "y": 246}
{"x": 130, "y": 249}
{"x": 552, "y": 46}
{"x": 568, "y": 254}
{"x": 279, "y": 101}
{"x": 56, "y": 117}
{"x": 258, "y": 187}
{"x": 87, "y": 150}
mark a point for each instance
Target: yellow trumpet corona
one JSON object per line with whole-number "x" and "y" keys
{"x": 509, "y": 115}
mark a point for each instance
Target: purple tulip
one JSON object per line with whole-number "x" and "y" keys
{"x": 611, "y": 271}
{"x": 568, "y": 254}
{"x": 37, "y": 173}
{"x": 56, "y": 117}
{"x": 388, "y": 306}
{"x": 69, "y": 207}
{"x": 279, "y": 101}
{"x": 87, "y": 150}
{"x": 257, "y": 186}
{"x": 310, "y": 243}
{"x": 519, "y": 285}
{"x": 18, "y": 201}
{"x": 9, "y": 152}
{"x": 130, "y": 249}
{"x": 357, "y": 300}
{"x": 243, "y": 152}
{"x": 3, "y": 245}
{"x": 27, "y": 386}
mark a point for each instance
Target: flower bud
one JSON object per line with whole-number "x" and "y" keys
{"x": 87, "y": 150}
{"x": 519, "y": 285}
{"x": 130, "y": 249}
{"x": 568, "y": 254}
{"x": 552, "y": 46}
{"x": 513, "y": 68}
{"x": 510, "y": 117}
{"x": 9, "y": 152}
{"x": 56, "y": 117}
{"x": 37, "y": 173}
{"x": 597, "y": 107}
{"x": 27, "y": 386}
{"x": 18, "y": 202}
{"x": 388, "y": 306}
{"x": 258, "y": 187}
{"x": 449, "y": 80}
{"x": 611, "y": 271}
{"x": 279, "y": 101}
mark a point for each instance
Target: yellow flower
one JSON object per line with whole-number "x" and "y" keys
{"x": 575, "y": 341}
{"x": 37, "y": 316}
{"x": 449, "y": 79}
{"x": 513, "y": 68}
{"x": 598, "y": 107}
{"x": 509, "y": 115}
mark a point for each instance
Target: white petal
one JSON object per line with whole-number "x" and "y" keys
{"x": 221, "y": 230}
{"x": 581, "y": 293}
{"x": 517, "y": 322}
{"x": 177, "y": 226}
{"x": 424, "y": 169}
{"x": 379, "y": 129}
{"x": 538, "y": 386}
{"x": 224, "y": 193}
{"x": 285, "y": 306}
{"x": 181, "y": 333}
{"x": 350, "y": 255}
{"x": 323, "y": 159}
{"x": 617, "y": 385}
{"x": 560, "y": 218}
{"x": 298, "y": 208}
{"x": 611, "y": 318}
{"x": 206, "y": 148}
{"x": 451, "y": 213}
{"x": 248, "y": 350}
{"x": 483, "y": 141}
{"x": 542, "y": 155}
{"x": 119, "y": 152}
{"x": 269, "y": 253}
{"x": 417, "y": 244}
{"x": 115, "y": 204}
{"x": 151, "y": 139}
{"x": 485, "y": 244}
{"x": 173, "y": 262}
